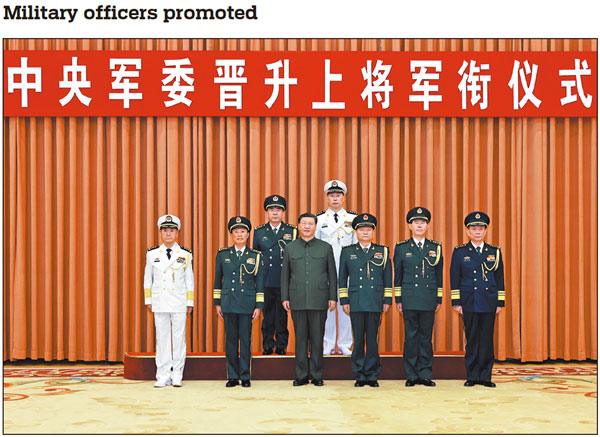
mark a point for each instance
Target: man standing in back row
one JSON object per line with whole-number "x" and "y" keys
{"x": 335, "y": 227}
{"x": 271, "y": 239}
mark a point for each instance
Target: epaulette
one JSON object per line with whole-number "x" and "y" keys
{"x": 377, "y": 244}
{"x": 254, "y": 250}
{"x": 351, "y": 212}
{"x": 349, "y": 245}
{"x": 436, "y": 242}
{"x": 492, "y": 246}
{"x": 152, "y": 248}
{"x": 260, "y": 227}
{"x": 402, "y": 242}
{"x": 462, "y": 245}
{"x": 291, "y": 225}
{"x": 186, "y": 249}
{"x": 320, "y": 213}
{"x": 223, "y": 248}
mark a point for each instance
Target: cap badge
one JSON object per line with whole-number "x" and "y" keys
{"x": 275, "y": 198}
{"x": 365, "y": 217}
{"x": 238, "y": 220}
{"x": 419, "y": 210}
{"x": 334, "y": 184}
{"x": 168, "y": 218}
{"x": 477, "y": 216}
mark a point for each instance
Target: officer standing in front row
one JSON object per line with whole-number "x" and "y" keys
{"x": 271, "y": 239}
{"x": 418, "y": 268}
{"x": 477, "y": 287}
{"x": 365, "y": 296}
{"x": 238, "y": 298}
{"x": 169, "y": 294}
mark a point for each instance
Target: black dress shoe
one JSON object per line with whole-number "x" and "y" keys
{"x": 470, "y": 383}
{"x": 411, "y": 382}
{"x": 246, "y": 383}
{"x": 317, "y": 382}
{"x": 267, "y": 351}
{"x": 280, "y": 351}
{"x": 232, "y": 383}
{"x": 427, "y": 382}
{"x": 487, "y": 384}
{"x": 298, "y": 382}
{"x": 359, "y": 384}
{"x": 373, "y": 383}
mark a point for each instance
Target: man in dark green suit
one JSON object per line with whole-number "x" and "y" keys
{"x": 238, "y": 298}
{"x": 365, "y": 296}
{"x": 418, "y": 267}
{"x": 271, "y": 239}
{"x": 308, "y": 288}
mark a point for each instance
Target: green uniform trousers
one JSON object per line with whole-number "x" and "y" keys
{"x": 418, "y": 350}
{"x": 238, "y": 339}
{"x": 365, "y": 329}
{"x": 309, "y": 327}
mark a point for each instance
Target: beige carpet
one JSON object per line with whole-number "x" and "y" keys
{"x": 528, "y": 399}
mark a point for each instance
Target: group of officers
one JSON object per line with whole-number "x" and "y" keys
{"x": 297, "y": 269}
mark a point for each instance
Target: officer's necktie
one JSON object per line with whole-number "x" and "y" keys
{"x": 365, "y": 249}
{"x": 169, "y": 253}
{"x": 335, "y": 217}
{"x": 239, "y": 254}
{"x": 275, "y": 231}
{"x": 420, "y": 244}
{"x": 478, "y": 250}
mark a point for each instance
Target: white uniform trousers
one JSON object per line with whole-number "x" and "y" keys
{"x": 344, "y": 325}
{"x": 170, "y": 345}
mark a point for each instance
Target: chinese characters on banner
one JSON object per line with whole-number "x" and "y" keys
{"x": 305, "y": 84}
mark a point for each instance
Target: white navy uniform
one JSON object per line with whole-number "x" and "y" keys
{"x": 169, "y": 288}
{"x": 338, "y": 234}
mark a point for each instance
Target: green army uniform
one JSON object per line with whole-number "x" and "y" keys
{"x": 238, "y": 289}
{"x": 368, "y": 276}
{"x": 271, "y": 244}
{"x": 418, "y": 287}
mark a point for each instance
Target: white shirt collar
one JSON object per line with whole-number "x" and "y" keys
{"x": 174, "y": 247}
{"x": 419, "y": 241}
{"x": 365, "y": 247}
{"x": 340, "y": 213}
{"x": 275, "y": 228}
{"x": 475, "y": 246}
{"x": 235, "y": 249}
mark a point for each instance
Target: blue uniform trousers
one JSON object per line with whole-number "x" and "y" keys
{"x": 479, "y": 353}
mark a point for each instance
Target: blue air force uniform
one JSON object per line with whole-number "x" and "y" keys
{"x": 271, "y": 243}
{"x": 238, "y": 289}
{"x": 418, "y": 286}
{"x": 368, "y": 275}
{"x": 477, "y": 284}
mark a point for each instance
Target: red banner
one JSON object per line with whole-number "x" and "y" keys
{"x": 306, "y": 84}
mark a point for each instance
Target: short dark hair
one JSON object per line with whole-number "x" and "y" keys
{"x": 307, "y": 214}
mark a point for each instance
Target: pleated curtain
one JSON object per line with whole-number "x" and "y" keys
{"x": 82, "y": 195}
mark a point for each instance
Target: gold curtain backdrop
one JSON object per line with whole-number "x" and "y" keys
{"x": 82, "y": 196}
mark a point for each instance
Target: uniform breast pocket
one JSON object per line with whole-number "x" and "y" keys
{"x": 296, "y": 261}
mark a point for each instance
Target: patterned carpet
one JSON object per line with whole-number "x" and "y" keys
{"x": 528, "y": 399}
